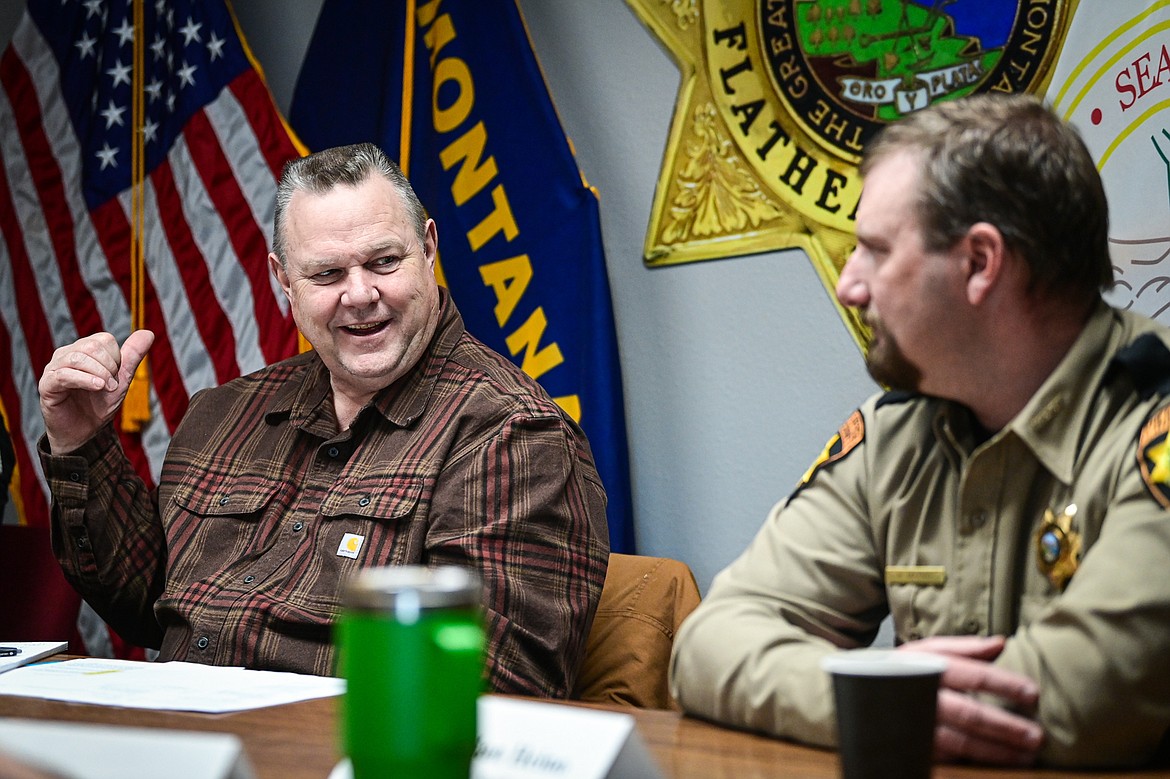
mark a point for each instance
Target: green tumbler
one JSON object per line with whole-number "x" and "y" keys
{"x": 411, "y": 643}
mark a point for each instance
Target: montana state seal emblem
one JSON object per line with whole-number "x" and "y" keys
{"x": 845, "y": 67}
{"x": 779, "y": 98}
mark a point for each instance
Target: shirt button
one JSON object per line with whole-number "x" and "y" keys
{"x": 83, "y": 542}
{"x": 224, "y": 500}
{"x": 202, "y": 642}
{"x": 978, "y": 519}
{"x": 334, "y": 451}
{"x": 249, "y": 579}
{"x": 298, "y": 527}
{"x": 364, "y": 501}
{"x": 75, "y": 477}
{"x": 971, "y": 627}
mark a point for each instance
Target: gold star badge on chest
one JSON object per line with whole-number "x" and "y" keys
{"x": 1058, "y": 546}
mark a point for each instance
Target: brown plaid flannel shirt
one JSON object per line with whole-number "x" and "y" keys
{"x": 236, "y": 558}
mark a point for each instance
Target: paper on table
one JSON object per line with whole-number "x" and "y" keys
{"x": 174, "y": 686}
{"x": 30, "y": 652}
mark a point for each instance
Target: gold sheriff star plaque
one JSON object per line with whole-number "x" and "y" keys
{"x": 779, "y": 97}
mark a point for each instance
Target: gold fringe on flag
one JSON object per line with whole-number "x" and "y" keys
{"x": 136, "y": 406}
{"x": 15, "y": 494}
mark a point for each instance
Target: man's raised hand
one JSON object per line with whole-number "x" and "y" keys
{"x": 84, "y": 385}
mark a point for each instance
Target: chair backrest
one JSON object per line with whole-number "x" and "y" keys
{"x": 627, "y": 654}
{"x": 36, "y": 603}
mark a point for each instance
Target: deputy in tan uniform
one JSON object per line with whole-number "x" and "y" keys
{"x": 1007, "y": 504}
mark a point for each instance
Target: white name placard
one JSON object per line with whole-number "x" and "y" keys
{"x": 520, "y": 739}
{"x": 77, "y": 749}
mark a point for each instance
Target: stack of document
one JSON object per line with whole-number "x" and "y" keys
{"x": 173, "y": 686}
{"x": 27, "y": 652}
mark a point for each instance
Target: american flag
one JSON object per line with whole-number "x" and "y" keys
{"x": 213, "y": 146}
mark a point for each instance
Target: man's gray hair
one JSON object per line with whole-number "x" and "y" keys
{"x": 320, "y": 172}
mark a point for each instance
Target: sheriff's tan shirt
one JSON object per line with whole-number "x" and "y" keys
{"x": 908, "y": 513}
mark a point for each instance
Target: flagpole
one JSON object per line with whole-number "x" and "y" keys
{"x": 404, "y": 132}
{"x": 136, "y": 407}
{"x": 407, "y": 89}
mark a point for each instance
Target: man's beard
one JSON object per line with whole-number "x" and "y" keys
{"x": 886, "y": 362}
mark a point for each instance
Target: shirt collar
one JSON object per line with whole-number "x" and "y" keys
{"x": 307, "y": 401}
{"x": 404, "y": 401}
{"x": 1052, "y": 420}
{"x": 1051, "y": 423}
{"x": 301, "y": 396}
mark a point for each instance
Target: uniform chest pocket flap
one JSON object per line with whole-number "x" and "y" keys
{"x": 227, "y": 499}
{"x": 385, "y": 499}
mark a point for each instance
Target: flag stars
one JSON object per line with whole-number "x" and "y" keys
{"x": 120, "y": 73}
{"x": 215, "y": 46}
{"x": 191, "y": 32}
{"x": 170, "y": 76}
{"x": 186, "y": 75}
{"x": 85, "y": 46}
{"x": 125, "y": 33}
{"x": 106, "y": 156}
{"x": 112, "y": 114}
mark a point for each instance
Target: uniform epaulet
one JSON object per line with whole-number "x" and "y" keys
{"x": 895, "y": 396}
{"x": 1147, "y": 362}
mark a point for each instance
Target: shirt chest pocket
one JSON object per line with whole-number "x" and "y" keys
{"x": 379, "y": 522}
{"x": 395, "y": 500}
{"x": 209, "y": 527}
{"x": 229, "y": 500}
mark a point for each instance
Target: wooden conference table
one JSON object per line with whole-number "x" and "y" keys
{"x": 298, "y": 741}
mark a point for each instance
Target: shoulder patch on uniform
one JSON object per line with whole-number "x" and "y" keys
{"x": 1147, "y": 362}
{"x": 1153, "y": 455}
{"x": 848, "y": 436}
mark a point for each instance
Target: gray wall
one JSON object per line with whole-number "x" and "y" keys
{"x": 736, "y": 371}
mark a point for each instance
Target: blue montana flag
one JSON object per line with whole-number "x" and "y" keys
{"x": 452, "y": 90}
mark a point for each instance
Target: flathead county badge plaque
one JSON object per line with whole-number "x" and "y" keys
{"x": 779, "y": 98}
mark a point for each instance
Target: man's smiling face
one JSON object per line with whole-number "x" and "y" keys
{"x": 361, "y": 284}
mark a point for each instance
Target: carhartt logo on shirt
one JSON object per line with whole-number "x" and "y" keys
{"x": 351, "y": 544}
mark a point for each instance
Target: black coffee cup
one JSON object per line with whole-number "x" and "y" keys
{"x": 886, "y": 704}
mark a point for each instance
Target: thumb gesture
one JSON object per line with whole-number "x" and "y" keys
{"x": 84, "y": 385}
